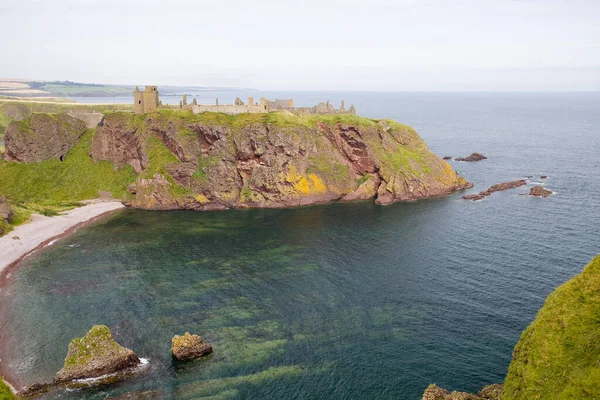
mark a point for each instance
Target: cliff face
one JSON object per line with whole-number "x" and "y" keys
{"x": 558, "y": 355}
{"x": 215, "y": 161}
{"x": 42, "y": 137}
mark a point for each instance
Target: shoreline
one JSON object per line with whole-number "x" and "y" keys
{"x": 41, "y": 232}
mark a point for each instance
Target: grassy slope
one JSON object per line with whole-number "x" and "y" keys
{"x": 558, "y": 355}
{"x": 52, "y": 186}
{"x": 5, "y": 392}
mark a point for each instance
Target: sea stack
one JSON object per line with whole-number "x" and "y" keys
{"x": 188, "y": 346}
{"x": 94, "y": 355}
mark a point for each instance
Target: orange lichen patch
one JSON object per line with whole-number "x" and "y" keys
{"x": 305, "y": 185}
{"x": 318, "y": 186}
{"x": 202, "y": 199}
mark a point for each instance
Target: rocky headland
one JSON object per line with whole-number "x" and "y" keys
{"x": 173, "y": 159}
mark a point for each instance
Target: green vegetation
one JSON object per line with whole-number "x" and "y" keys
{"x": 97, "y": 342}
{"x": 67, "y": 88}
{"x": 5, "y": 392}
{"x": 52, "y": 186}
{"x": 558, "y": 355}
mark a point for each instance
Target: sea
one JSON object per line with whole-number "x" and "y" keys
{"x": 337, "y": 301}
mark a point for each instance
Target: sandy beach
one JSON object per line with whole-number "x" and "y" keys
{"x": 27, "y": 238}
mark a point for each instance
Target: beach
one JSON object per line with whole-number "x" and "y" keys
{"x": 41, "y": 230}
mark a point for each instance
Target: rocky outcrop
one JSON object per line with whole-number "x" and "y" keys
{"x": 118, "y": 141}
{"x": 212, "y": 161}
{"x": 491, "y": 392}
{"x": 447, "y": 158}
{"x": 42, "y": 137}
{"x": 539, "y": 191}
{"x": 188, "y": 346}
{"x": 495, "y": 188}
{"x": 6, "y": 216}
{"x": 472, "y": 157}
{"x": 6, "y": 210}
{"x": 94, "y": 355}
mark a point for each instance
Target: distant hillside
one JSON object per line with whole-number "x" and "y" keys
{"x": 24, "y": 88}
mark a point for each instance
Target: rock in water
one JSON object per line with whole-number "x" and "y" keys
{"x": 544, "y": 177}
{"x": 447, "y": 158}
{"x": 189, "y": 346}
{"x": 491, "y": 392}
{"x": 539, "y": 192}
{"x": 472, "y": 157}
{"x": 94, "y": 355}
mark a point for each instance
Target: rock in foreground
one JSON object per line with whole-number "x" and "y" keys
{"x": 188, "y": 346}
{"x": 94, "y": 355}
{"x": 539, "y": 192}
{"x": 491, "y": 392}
{"x": 472, "y": 157}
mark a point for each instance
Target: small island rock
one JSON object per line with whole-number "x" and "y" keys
{"x": 539, "y": 191}
{"x": 495, "y": 188}
{"x": 472, "y": 157}
{"x": 94, "y": 355}
{"x": 189, "y": 346}
{"x": 544, "y": 177}
{"x": 447, "y": 158}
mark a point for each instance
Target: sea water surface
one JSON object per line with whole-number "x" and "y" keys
{"x": 340, "y": 301}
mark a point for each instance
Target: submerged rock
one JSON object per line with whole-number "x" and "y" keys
{"x": 495, "y": 188}
{"x": 94, "y": 355}
{"x": 491, "y": 392}
{"x": 189, "y": 346}
{"x": 472, "y": 157}
{"x": 539, "y": 192}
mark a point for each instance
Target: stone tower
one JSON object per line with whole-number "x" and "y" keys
{"x": 146, "y": 101}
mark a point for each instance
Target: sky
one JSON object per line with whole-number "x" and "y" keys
{"x": 411, "y": 45}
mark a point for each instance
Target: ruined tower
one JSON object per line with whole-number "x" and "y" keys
{"x": 146, "y": 101}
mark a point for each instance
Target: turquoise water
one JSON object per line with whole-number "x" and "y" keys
{"x": 342, "y": 301}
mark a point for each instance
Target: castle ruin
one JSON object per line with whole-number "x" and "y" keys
{"x": 146, "y": 101}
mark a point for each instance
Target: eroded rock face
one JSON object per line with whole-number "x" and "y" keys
{"x": 117, "y": 140}
{"x": 491, "y": 392}
{"x": 539, "y": 191}
{"x": 94, "y": 355}
{"x": 275, "y": 160}
{"x": 472, "y": 157}
{"x": 188, "y": 346}
{"x": 42, "y": 137}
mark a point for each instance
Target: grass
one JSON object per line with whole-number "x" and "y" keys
{"x": 5, "y": 392}
{"x": 54, "y": 183}
{"x": 558, "y": 355}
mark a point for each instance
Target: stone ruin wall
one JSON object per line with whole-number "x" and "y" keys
{"x": 91, "y": 119}
{"x": 228, "y": 108}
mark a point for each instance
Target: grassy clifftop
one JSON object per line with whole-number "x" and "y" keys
{"x": 173, "y": 159}
{"x": 558, "y": 355}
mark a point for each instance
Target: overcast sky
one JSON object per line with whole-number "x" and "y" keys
{"x": 307, "y": 44}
